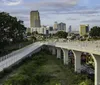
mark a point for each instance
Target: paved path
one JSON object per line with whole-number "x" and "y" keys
{"x": 15, "y": 56}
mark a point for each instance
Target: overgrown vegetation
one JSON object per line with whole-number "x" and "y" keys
{"x": 45, "y": 69}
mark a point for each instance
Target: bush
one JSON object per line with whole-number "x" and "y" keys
{"x": 18, "y": 80}
{"x": 5, "y": 72}
{"x": 1, "y": 74}
{"x": 42, "y": 78}
{"x": 8, "y": 70}
{"x": 86, "y": 82}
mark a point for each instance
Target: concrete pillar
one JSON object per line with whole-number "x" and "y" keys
{"x": 58, "y": 53}
{"x": 53, "y": 51}
{"x": 97, "y": 69}
{"x": 65, "y": 56}
{"x": 77, "y": 57}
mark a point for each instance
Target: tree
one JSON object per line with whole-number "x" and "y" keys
{"x": 86, "y": 35}
{"x": 62, "y": 34}
{"x": 10, "y": 29}
{"x": 28, "y": 34}
{"x": 35, "y": 32}
{"x": 95, "y": 32}
{"x": 33, "y": 38}
{"x": 73, "y": 37}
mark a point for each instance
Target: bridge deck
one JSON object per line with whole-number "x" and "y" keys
{"x": 86, "y": 46}
{"x": 15, "y": 56}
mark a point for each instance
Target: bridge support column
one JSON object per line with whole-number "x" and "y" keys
{"x": 65, "y": 56}
{"x": 97, "y": 69}
{"x": 77, "y": 56}
{"x": 59, "y": 53}
{"x": 53, "y": 51}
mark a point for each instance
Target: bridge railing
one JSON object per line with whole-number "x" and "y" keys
{"x": 13, "y": 53}
{"x": 12, "y": 58}
{"x": 85, "y": 45}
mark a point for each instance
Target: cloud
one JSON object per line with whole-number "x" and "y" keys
{"x": 91, "y": 21}
{"x": 84, "y": 12}
{"x": 60, "y": 7}
{"x": 92, "y": 15}
{"x": 51, "y": 5}
{"x": 72, "y": 19}
{"x": 68, "y": 11}
{"x": 19, "y": 11}
{"x": 21, "y": 16}
{"x": 11, "y": 2}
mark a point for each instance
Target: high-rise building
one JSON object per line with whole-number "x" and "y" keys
{"x": 84, "y": 29}
{"x": 62, "y": 26}
{"x": 70, "y": 29}
{"x": 35, "y": 19}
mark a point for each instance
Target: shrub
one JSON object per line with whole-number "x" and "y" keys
{"x": 1, "y": 74}
{"x": 18, "y": 80}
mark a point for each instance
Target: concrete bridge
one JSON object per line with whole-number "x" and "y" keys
{"x": 16, "y": 56}
{"x": 91, "y": 47}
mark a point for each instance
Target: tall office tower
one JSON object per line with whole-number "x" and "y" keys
{"x": 35, "y": 19}
{"x": 84, "y": 29}
{"x": 70, "y": 29}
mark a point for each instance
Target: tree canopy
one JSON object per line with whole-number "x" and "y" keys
{"x": 95, "y": 32}
{"x": 62, "y": 34}
{"x": 11, "y": 29}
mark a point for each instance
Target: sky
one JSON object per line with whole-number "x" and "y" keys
{"x": 71, "y": 12}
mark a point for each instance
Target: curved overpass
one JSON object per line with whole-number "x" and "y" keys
{"x": 91, "y": 47}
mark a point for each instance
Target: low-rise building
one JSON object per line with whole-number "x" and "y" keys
{"x": 41, "y": 30}
{"x": 28, "y": 30}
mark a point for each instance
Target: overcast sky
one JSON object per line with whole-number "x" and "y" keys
{"x": 72, "y": 12}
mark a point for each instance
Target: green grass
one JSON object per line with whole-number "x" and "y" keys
{"x": 45, "y": 69}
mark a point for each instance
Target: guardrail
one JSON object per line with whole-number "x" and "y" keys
{"x": 15, "y": 56}
{"x": 13, "y": 53}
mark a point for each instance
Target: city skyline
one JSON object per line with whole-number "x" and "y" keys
{"x": 71, "y": 12}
